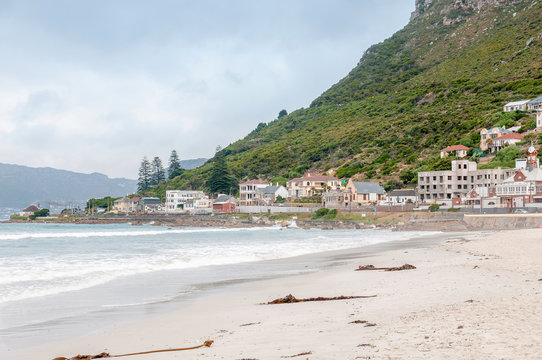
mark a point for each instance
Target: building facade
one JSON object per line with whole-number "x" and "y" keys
{"x": 457, "y": 182}
{"x": 312, "y": 184}
{"x": 179, "y": 201}
{"x": 487, "y": 136}
{"x": 248, "y": 192}
{"x": 516, "y": 106}
{"x": 268, "y": 195}
{"x": 358, "y": 193}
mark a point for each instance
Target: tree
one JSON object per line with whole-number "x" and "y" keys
{"x": 144, "y": 179}
{"x": 174, "y": 168}
{"x": 283, "y": 113}
{"x": 220, "y": 180}
{"x": 158, "y": 174}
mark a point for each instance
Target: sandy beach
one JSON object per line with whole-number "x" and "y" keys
{"x": 477, "y": 296}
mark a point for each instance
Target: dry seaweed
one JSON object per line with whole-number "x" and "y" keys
{"x": 300, "y": 354}
{"x": 398, "y": 268}
{"x": 288, "y": 299}
{"x": 103, "y": 355}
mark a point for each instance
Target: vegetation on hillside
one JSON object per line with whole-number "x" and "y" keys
{"x": 429, "y": 86}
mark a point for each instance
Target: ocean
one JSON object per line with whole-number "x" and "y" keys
{"x": 55, "y": 277}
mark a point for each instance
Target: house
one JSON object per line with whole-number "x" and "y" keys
{"x": 535, "y": 104}
{"x": 247, "y": 192}
{"x": 487, "y": 136}
{"x": 516, "y": 106}
{"x": 457, "y": 182}
{"x": 154, "y": 208}
{"x": 481, "y": 198}
{"x": 504, "y": 140}
{"x": 224, "y": 204}
{"x": 401, "y": 196}
{"x": 359, "y": 193}
{"x": 126, "y": 204}
{"x": 268, "y": 195}
{"x": 143, "y": 204}
{"x": 525, "y": 186}
{"x": 539, "y": 120}
{"x": 460, "y": 151}
{"x": 311, "y": 184}
{"x": 179, "y": 201}
{"x": 203, "y": 206}
{"x": 29, "y": 210}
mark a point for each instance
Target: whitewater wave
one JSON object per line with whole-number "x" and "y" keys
{"x": 88, "y": 234}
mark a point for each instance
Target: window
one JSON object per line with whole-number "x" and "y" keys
{"x": 449, "y": 178}
{"x": 449, "y": 186}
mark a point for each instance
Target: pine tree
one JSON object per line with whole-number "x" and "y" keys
{"x": 144, "y": 180}
{"x": 174, "y": 168}
{"x": 158, "y": 174}
{"x": 220, "y": 180}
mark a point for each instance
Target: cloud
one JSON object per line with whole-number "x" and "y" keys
{"x": 95, "y": 86}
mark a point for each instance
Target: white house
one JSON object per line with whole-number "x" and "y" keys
{"x": 539, "y": 120}
{"x": 269, "y": 194}
{"x": 535, "y": 104}
{"x": 506, "y": 139}
{"x": 248, "y": 192}
{"x": 516, "y": 105}
{"x": 179, "y": 201}
{"x": 460, "y": 151}
{"x": 401, "y": 196}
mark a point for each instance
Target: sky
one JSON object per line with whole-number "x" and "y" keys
{"x": 94, "y": 86}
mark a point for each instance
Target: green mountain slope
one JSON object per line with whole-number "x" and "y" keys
{"x": 434, "y": 83}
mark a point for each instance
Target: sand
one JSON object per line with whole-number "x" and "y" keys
{"x": 477, "y": 296}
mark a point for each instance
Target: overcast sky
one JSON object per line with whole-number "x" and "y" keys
{"x": 94, "y": 86}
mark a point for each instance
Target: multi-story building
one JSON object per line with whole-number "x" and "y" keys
{"x": 269, "y": 194}
{"x": 178, "y": 201}
{"x": 455, "y": 183}
{"x": 525, "y": 186}
{"x": 312, "y": 184}
{"x": 248, "y": 192}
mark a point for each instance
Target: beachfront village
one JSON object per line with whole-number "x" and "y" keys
{"x": 464, "y": 187}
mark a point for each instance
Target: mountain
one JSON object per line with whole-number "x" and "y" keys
{"x": 22, "y": 185}
{"x": 192, "y": 163}
{"x": 434, "y": 83}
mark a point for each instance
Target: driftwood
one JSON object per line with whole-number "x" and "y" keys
{"x": 300, "y": 354}
{"x": 399, "y": 268}
{"x": 367, "y": 324}
{"x": 103, "y": 355}
{"x": 288, "y": 299}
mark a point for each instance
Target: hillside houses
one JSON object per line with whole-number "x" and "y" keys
{"x": 312, "y": 184}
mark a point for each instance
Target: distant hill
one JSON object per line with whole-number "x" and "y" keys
{"x": 434, "y": 83}
{"x": 192, "y": 163}
{"x": 22, "y": 185}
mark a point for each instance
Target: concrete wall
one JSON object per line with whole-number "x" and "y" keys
{"x": 273, "y": 209}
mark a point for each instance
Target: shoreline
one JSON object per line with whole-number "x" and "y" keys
{"x": 122, "y": 314}
{"x": 466, "y": 295}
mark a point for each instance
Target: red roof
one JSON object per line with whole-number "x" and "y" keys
{"x": 254, "y": 182}
{"x": 510, "y": 135}
{"x": 455, "y": 148}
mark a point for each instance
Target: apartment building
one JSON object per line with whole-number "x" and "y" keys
{"x": 178, "y": 201}
{"x": 457, "y": 182}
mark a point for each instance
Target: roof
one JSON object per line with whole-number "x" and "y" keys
{"x": 223, "y": 199}
{"x": 271, "y": 189}
{"x": 455, "y": 148}
{"x": 533, "y": 175}
{"x": 402, "y": 192}
{"x": 368, "y": 187}
{"x": 254, "y": 182}
{"x": 510, "y": 135}
{"x": 537, "y": 100}
{"x": 515, "y": 103}
{"x": 31, "y": 208}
